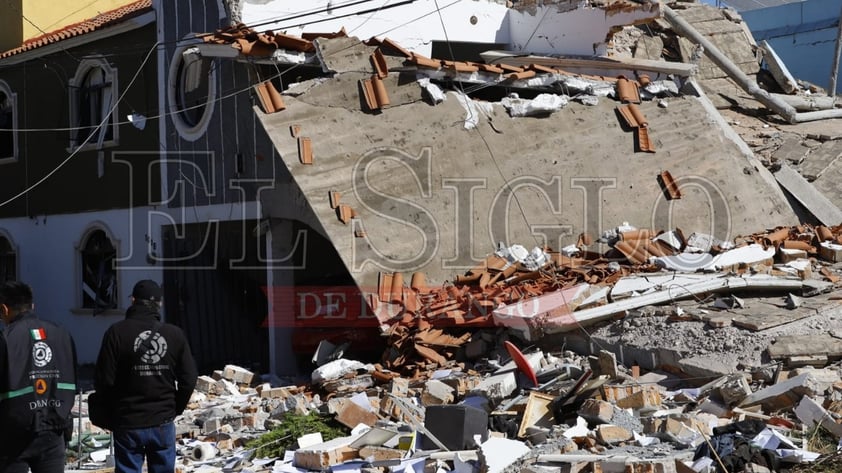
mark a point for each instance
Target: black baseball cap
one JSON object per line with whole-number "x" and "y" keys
{"x": 147, "y": 290}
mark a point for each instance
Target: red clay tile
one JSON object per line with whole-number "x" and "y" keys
{"x": 305, "y": 150}
{"x": 285, "y": 41}
{"x": 418, "y": 282}
{"x": 422, "y": 61}
{"x": 374, "y": 93}
{"x": 459, "y": 66}
{"x": 669, "y": 185}
{"x": 98, "y": 22}
{"x": 384, "y": 285}
{"x": 358, "y": 233}
{"x": 380, "y": 92}
{"x": 334, "y": 196}
{"x": 378, "y": 61}
{"x": 540, "y": 68}
{"x": 627, "y": 91}
{"x": 644, "y": 80}
{"x": 397, "y": 47}
{"x": 823, "y": 233}
{"x": 488, "y": 67}
{"x": 254, "y": 48}
{"x": 522, "y": 75}
{"x": 295, "y": 130}
{"x": 338, "y": 34}
{"x": 270, "y": 99}
{"x": 345, "y": 213}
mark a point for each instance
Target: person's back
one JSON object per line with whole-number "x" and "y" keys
{"x": 145, "y": 368}
{"x": 37, "y": 386}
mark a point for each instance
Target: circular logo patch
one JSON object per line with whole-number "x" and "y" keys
{"x": 40, "y": 386}
{"x": 41, "y": 354}
{"x": 157, "y": 347}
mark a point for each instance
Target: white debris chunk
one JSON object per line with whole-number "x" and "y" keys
{"x": 432, "y": 91}
{"x": 543, "y": 104}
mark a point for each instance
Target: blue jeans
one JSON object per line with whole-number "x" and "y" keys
{"x": 43, "y": 453}
{"x": 156, "y": 444}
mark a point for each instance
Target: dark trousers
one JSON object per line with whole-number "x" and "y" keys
{"x": 156, "y": 444}
{"x": 43, "y": 453}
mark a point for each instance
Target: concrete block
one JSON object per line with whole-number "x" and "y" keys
{"x": 611, "y": 434}
{"x": 830, "y": 251}
{"x": 351, "y": 414}
{"x": 436, "y": 393}
{"x": 211, "y": 425}
{"x": 649, "y": 396}
{"x": 783, "y": 395}
{"x": 399, "y": 387}
{"x": 497, "y": 387}
{"x": 812, "y": 413}
{"x": 206, "y": 384}
{"x": 237, "y": 374}
{"x": 735, "y": 389}
{"x": 323, "y": 455}
{"x": 603, "y": 412}
{"x": 497, "y": 454}
{"x": 374, "y": 453}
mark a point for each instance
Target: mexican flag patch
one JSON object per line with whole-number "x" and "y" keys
{"x": 38, "y": 334}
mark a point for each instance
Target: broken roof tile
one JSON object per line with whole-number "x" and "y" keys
{"x": 334, "y": 196}
{"x": 269, "y": 98}
{"x": 422, "y": 61}
{"x": 627, "y": 91}
{"x": 378, "y": 61}
{"x": 374, "y": 93}
{"x": 337, "y": 34}
{"x": 459, "y": 66}
{"x": 670, "y": 186}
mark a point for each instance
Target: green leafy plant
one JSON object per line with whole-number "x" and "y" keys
{"x": 276, "y": 442}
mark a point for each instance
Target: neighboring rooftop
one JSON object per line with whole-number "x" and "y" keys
{"x": 98, "y": 22}
{"x": 747, "y": 5}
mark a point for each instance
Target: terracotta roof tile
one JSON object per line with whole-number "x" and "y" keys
{"x": 92, "y": 24}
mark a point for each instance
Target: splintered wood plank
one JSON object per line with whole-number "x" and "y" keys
{"x": 797, "y": 345}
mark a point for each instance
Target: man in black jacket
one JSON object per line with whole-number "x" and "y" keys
{"x": 37, "y": 386}
{"x": 146, "y": 369}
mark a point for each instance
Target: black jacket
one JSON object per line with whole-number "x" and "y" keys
{"x": 146, "y": 388}
{"x": 37, "y": 377}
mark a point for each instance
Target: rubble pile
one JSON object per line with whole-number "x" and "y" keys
{"x": 542, "y": 291}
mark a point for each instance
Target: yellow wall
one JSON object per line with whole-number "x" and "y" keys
{"x": 46, "y": 16}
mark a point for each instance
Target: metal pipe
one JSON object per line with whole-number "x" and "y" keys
{"x": 685, "y": 29}
{"x": 833, "y": 72}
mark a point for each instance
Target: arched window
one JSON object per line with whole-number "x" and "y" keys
{"x": 8, "y": 260}
{"x": 93, "y": 94}
{"x": 99, "y": 277}
{"x": 8, "y": 124}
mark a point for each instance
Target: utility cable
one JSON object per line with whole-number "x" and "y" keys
{"x": 91, "y": 135}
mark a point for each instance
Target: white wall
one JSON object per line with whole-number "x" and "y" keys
{"x": 49, "y": 261}
{"x": 566, "y": 28}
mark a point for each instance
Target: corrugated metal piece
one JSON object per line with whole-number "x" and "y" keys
{"x": 669, "y": 185}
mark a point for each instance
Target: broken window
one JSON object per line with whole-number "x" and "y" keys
{"x": 93, "y": 97}
{"x": 8, "y": 125}
{"x": 99, "y": 278}
{"x": 8, "y": 261}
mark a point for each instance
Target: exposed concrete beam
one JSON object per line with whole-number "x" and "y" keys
{"x": 572, "y": 321}
{"x": 786, "y": 111}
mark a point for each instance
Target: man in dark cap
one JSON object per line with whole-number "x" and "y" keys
{"x": 37, "y": 386}
{"x": 146, "y": 369}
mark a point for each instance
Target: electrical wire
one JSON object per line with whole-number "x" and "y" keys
{"x": 88, "y": 139}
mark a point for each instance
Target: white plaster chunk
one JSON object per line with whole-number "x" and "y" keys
{"x": 542, "y": 105}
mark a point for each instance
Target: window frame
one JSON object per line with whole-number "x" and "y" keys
{"x": 189, "y": 131}
{"x": 13, "y": 99}
{"x": 79, "y": 249}
{"x": 77, "y": 85}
